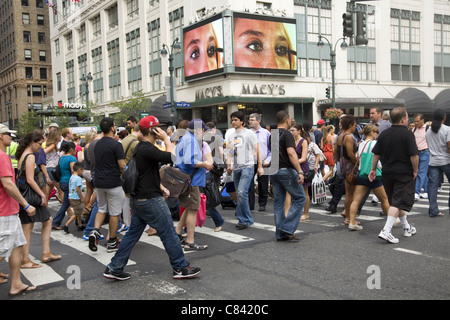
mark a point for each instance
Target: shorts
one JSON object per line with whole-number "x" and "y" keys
{"x": 190, "y": 198}
{"x": 229, "y": 187}
{"x": 42, "y": 215}
{"x": 77, "y": 207}
{"x": 11, "y": 235}
{"x": 360, "y": 181}
{"x": 110, "y": 200}
{"x": 400, "y": 189}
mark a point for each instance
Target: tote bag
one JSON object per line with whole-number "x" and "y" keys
{"x": 318, "y": 191}
{"x": 366, "y": 163}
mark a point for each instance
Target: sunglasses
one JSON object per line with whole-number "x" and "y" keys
{"x": 7, "y": 134}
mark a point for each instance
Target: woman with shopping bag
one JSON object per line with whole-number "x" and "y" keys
{"x": 363, "y": 185}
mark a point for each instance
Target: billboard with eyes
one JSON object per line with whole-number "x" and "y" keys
{"x": 259, "y": 44}
{"x": 264, "y": 44}
{"x": 203, "y": 49}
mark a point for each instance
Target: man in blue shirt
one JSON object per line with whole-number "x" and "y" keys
{"x": 189, "y": 159}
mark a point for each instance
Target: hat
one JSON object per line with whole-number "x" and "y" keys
{"x": 5, "y": 129}
{"x": 320, "y": 122}
{"x": 148, "y": 122}
{"x": 53, "y": 124}
{"x": 196, "y": 123}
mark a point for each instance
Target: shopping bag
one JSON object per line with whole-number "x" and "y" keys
{"x": 201, "y": 213}
{"x": 318, "y": 191}
{"x": 366, "y": 164}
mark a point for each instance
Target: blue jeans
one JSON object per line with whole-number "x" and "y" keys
{"x": 422, "y": 179}
{"x": 434, "y": 180}
{"x": 58, "y": 219}
{"x": 286, "y": 180}
{"x": 156, "y": 213}
{"x": 242, "y": 179}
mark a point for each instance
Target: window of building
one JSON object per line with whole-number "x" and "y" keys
{"x": 57, "y": 48}
{"x": 43, "y": 73}
{"x": 113, "y": 17}
{"x": 58, "y": 82}
{"x": 40, "y": 20}
{"x": 132, "y": 8}
{"x": 134, "y": 60}
{"x": 41, "y": 37}
{"x": 114, "y": 69}
{"x": 26, "y": 36}
{"x": 69, "y": 42}
{"x": 96, "y": 26}
{"x": 82, "y": 35}
{"x": 39, "y": 3}
{"x": 70, "y": 78}
{"x": 441, "y": 48}
{"x": 154, "y": 34}
{"x": 28, "y": 72}
{"x": 42, "y": 55}
{"x": 97, "y": 64}
{"x": 25, "y": 3}
{"x": 25, "y": 18}
{"x": 27, "y": 54}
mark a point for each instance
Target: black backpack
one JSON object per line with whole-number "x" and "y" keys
{"x": 130, "y": 176}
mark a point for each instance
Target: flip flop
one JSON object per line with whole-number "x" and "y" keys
{"x": 24, "y": 291}
{"x": 4, "y": 275}
{"x": 33, "y": 265}
{"x": 3, "y": 280}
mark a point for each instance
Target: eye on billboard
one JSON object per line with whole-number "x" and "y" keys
{"x": 203, "y": 49}
{"x": 264, "y": 44}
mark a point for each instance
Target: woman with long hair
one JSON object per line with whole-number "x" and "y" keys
{"x": 347, "y": 144}
{"x": 326, "y": 145}
{"x": 89, "y": 197}
{"x": 27, "y": 146}
{"x": 51, "y": 150}
{"x": 301, "y": 148}
{"x": 363, "y": 184}
{"x": 66, "y": 165}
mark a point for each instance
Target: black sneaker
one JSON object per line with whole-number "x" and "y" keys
{"x": 112, "y": 245}
{"x": 116, "y": 276}
{"x": 93, "y": 240}
{"x": 186, "y": 272}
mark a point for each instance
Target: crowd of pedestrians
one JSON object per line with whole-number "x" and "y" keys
{"x": 397, "y": 164}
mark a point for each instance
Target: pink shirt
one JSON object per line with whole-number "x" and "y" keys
{"x": 421, "y": 141}
{"x": 8, "y": 206}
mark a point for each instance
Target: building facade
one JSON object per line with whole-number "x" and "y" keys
{"x": 406, "y": 60}
{"x": 25, "y": 58}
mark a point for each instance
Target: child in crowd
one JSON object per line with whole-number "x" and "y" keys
{"x": 76, "y": 197}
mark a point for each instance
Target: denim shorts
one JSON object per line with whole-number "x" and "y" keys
{"x": 360, "y": 181}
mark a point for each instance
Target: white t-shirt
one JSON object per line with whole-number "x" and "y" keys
{"x": 437, "y": 145}
{"x": 241, "y": 146}
{"x": 313, "y": 150}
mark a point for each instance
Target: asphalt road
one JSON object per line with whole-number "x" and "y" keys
{"x": 250, "y": 266}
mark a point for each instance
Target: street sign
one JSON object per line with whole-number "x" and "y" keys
{"x": 166, "y": 105}
{"x": 183, "y": 104}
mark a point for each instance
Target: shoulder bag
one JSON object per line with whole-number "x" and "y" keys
{"x": 175, "y": 180}
{"x": 366, "y": 164}
{"x": 25, "y": 189}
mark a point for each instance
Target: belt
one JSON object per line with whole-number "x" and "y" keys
{"x": 423, "y": 150}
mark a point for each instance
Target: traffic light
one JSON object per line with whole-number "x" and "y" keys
{"x": 348, "y": 24}
{"x": 327, "y": 92}
{"x": 361, "y": 33}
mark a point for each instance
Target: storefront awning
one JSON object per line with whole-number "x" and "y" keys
{"x": 244, "y": 99}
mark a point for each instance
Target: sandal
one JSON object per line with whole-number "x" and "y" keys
{"x": 347, "y": 222}
{"x": 194, "y": 246}
{"x": 33, "y": 264}
{"x": 47, "y": 257}
{"x": 304, "y": 217}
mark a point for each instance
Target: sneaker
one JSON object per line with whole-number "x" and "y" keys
{"x": 387, "y": 236}
{"x": 112, "y": 245}
{"x": 122, "y": 228}
{"x": 409, "y": 232}
{"x": 108, "y": 274}
{"x": 186, "y": 272}
{"x": 94, "y": 236}
{"x": 355, "y": 227}
{"x": 416, "y": 196}
{"x": 424, "y": 195}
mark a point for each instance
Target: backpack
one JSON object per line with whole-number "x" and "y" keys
{"x": 130, "y": 176}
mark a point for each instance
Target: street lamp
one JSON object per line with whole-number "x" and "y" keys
{"x": 8, "y": 106}
{"x": 86, "y": 84}
{"x": 175, "y": 48}
{"x": 344, "y": 46}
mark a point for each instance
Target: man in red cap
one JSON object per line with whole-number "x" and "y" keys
{"x": 148, "y": 206}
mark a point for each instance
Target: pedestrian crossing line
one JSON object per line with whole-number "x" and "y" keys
{"x": 154, "y": 241}
{"x": 41, "y": 276}
{"x": 224, "y": 235}
{"x": 256, "y": 225}
{"x": 101, "y": 255}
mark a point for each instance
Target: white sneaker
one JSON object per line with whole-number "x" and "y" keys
{"x": 355, "y": 227}
{"x": 409, "y": 232}
{"x": 416, "y": 197}
{"x": 424, "y": 195}
{"x": 387, "y": 236}
{"x": 375, "y": 199}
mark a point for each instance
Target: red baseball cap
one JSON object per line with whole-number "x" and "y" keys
{"x": 320, "y": 122}
{"x": 148, "y": 122}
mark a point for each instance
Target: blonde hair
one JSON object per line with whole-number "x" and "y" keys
{"x": 90, "y": 135}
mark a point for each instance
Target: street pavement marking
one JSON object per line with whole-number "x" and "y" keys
{"x": 41, "y": 276}
{"x": 409, "y": 251}
{"x": 101, "y": 255}
{"x": 421, "y": 254}
{"x": 224, "y": 235}
{"x": 256, "y": 225}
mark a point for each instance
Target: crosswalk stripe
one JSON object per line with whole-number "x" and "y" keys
{"x": 101, "y": 255}
{"x": 41, "y": 276}
{"x": 224, "y": 235}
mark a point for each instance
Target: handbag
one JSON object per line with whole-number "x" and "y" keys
{"x": 319, "y": 193}
{"x": 201, "y": 213}
{"x": 366, "y": 164}
{"x": 212, "y": 193}
{"x": 25, "y": 189}
{"x": 175, "y": 180}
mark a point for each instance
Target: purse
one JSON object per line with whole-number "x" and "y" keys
{"x": 212, "y": 193}
{"x": 25, "y": 189}
{"x": 175, "y": 180}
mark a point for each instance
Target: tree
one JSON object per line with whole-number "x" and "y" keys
{"x": 130, "y": 107}
{"x": 27, "y": 123}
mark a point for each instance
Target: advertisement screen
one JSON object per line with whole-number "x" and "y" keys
{"x": 264, "y": 44}
{"x": 203, "y": 49}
